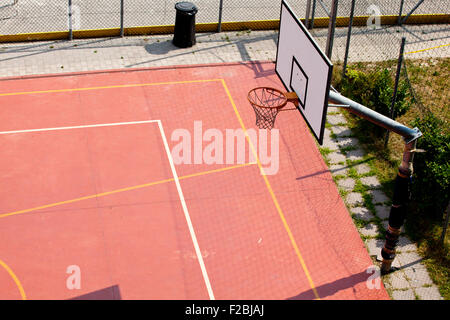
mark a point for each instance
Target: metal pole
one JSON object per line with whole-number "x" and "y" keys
{"x": 70, "y": 21}
{"x": 311, "y": 24}
{"x": 399, "y": 19}
{"x": 398, "y": 208}
{"x": 397, "y": 78}
{"x": 308, "y": 11}
{"x": 401, "y": 187}
{"x": 349, "y": 34}
{"x": 444, "y": 228}
{"x": 331, "y": 27}
{"x": 219, "y": 27}
{"x": 375, "y": 117}
{"x": 121, "y": 18}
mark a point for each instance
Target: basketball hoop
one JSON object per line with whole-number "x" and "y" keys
{"x": 267, "y": 102}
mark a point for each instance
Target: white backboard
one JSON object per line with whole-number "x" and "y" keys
{"x": 304, "y": 69}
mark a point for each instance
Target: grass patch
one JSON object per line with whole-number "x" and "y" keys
{"x": 359, "y": 187}
{"x": 339, "y": 177}
{"x": 367, "y": 198}
{"x": 325, "y": 152}
{"x": 343, "y": 193}
{"x": 347, "y": 149}
{"x": 352, "y": 173}
{"x": 359, "y": 222}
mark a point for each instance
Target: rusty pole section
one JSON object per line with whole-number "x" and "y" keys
{"x": 398, "y": 208}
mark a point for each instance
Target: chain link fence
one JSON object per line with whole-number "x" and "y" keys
{"x": 372, "y": 53}
{"x": 40, "y": 16}
{"x": 367, "y": 37}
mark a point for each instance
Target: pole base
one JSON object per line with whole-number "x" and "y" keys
{"x": 386, "y": 267}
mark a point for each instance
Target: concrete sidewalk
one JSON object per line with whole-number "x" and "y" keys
{"x": 412, "y": 280}
{"x": 18, "y": 59}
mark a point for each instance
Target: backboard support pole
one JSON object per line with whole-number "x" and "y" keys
{"x": 305, "y": 69}
{"x": 385, "y": 122}
{"x": 398, "y": 210}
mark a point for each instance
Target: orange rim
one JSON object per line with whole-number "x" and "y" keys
{"x": 263, "y": 99}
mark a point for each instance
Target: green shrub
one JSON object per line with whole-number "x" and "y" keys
{"x": 375, "y": 90}
{"x": 430, "y": 190}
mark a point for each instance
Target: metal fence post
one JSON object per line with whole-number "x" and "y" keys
{"x": 397, "y": 78}
{"x": 219, "y": 27}
{"x": 308, "y": 11}
{"x": 399, "y": 19}
{"x": 121, "y": 19}
{"x": 70, "y": 21}
{"x": 349, "y": 34}
{"x": 311, "y": 23}
{"x": 445, "y": 226}
{"x": 331, "y": 27}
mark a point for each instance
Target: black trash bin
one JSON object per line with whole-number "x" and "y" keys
{"x": 184, "y": 34}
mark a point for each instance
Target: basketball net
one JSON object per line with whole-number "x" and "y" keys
{"x": 267, "y": 103}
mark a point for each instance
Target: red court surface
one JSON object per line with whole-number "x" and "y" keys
{"x": 87, "y": 180}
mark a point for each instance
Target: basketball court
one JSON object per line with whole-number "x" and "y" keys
{"x": 96, "y": 204}
{"x": 88, "y": 181}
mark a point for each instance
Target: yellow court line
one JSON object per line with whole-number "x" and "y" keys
{"x": 444, "y": 45}
{"x": 272, "y": 194}
{"x": 16, "y": 280}
{"x": 108, "y": 87}
{"x": 98, "y": 195}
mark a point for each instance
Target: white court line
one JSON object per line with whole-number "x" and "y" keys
{"x": 174, "y": 173}
{"x": 80, "y": 127}
{"x": 186, "y": 215}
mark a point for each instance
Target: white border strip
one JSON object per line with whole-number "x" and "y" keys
{"x": 186, "y": 214}
{"x": 80, "y": 127}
